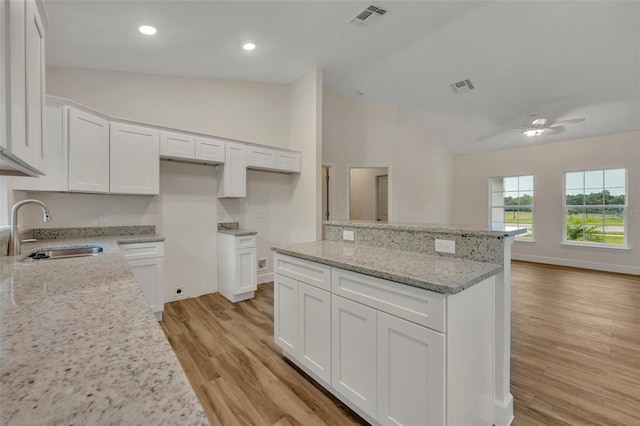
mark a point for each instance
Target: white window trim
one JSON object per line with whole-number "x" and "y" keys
{"x": 519, "y": 237}
{"x": 595, "y": 245}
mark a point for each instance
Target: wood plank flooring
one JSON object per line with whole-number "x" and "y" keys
{"x": 575, "y": 346}
{"x": 575, "y": 356}
{"x": 238, "y": 372}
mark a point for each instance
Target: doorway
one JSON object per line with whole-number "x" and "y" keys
{"x": 369, "y": 193}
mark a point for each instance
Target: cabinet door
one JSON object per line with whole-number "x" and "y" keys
{"x": 232, "y": 176}
{"x": 150, "y": 276}
{"x": 177, "y": 145}
{"x": 261, "y": 158}
{"x": 353, "y": 352}
{"x": 135, "y": 160}
{"x": 314, "y": 307}
{"x": 210, "y": 150}
{"x": 55, "y": 166}
{"x": 285, "y": 313}
{"x": 17, "y": 90}
{"x": 246, "y": 270}
{"x": 88, "y": 152}
{"x": 288, "y": 161}
{"x": 411, "y": 378}
{"x": 34, "y": 41}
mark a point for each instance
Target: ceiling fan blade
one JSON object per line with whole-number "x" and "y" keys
{"x": 571, "y": 121}
{"x": 511, "y": 133}
{"x": 554, "y": 130}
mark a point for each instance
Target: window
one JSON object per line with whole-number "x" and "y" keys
{"x": 594, "y": 207}
{"x": 512, "y": 204}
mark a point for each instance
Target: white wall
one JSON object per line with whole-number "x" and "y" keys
{"x": 547, "y": 162}
{"x": 186, "y": 210}
{"x": 362, "y": 192}
{"x": 306, "y": 136}
{"x": 362, "y": 132}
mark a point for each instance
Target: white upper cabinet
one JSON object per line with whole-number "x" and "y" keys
{"x": 135, "y": 160}
{"x": 288, "y": 161}
{"x": 88, "y": 152}
{"x": 210, "y": 150}
{"x": 232, "y": 176}
{"x": 55, "y": 167}
{"x": 261, "y": 158}
{"x": 177, "y": 145}
{"x": 22, "y": 86}
{"x": 272, "y": 159}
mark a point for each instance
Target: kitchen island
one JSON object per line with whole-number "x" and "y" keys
{"x": 401, "y": 333}
{"x": 80, "y": 345}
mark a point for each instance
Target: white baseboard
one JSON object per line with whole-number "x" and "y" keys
{"x": 265, "y": 278}
{"x": 609, "y": 267}
{"x": 504, "y": 411}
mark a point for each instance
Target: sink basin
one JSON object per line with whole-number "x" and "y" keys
{"x": 64, "y": 253}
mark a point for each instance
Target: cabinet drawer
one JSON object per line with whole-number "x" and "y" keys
{"x": 422, "y": 307}
{"x": 142, "y": 250}
{"x": 311, "y": 273}
{"x": 245, "y": 241}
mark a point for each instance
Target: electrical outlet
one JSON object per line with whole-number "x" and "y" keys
{"x": 446, "y": 246}
{"x": 259, "y": 214}
{"x": 220, "y": 214}
{"x": 178, "y": 293}
{"x": 262, "y": 264}
{"x": 348, "y": 235}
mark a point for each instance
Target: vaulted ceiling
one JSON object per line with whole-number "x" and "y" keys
{"x": 559, "y": 59}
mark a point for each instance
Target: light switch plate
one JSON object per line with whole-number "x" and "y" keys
{"x": 348, "y": 235}
{"x": 446, "y": 246}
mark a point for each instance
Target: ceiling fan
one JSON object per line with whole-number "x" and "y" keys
{"x": 537, "y": 126}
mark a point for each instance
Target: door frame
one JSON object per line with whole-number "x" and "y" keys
{"x": 389, "y": 189}
{"x": 377, "y": 196}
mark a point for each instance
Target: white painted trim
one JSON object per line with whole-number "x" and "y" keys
{"x": 504, "y": 411}
{"x": 609, "y": 267}
{"x": 588, "y": 245}
{"x": 371, "y": 166}
{"x": 265, "y": 278}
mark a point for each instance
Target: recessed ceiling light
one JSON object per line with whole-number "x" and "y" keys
{"x": 249, "y": 45}
{"x": 147, "y": 30}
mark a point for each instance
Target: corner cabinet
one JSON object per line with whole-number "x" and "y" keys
{"x": 134, "y": 160}
{"x": 395, "y": 354}
{"x": 237, "y": 266}
{"x": 146, "y": 261}
{"x": 232, "y": 175}
{"x": 22, "y": 148}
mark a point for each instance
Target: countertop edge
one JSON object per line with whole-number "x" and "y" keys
{"x": 435, "y": 228}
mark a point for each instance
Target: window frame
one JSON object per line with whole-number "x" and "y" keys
{"x": 519, "y": 237}
{"x": 625, "y": 207}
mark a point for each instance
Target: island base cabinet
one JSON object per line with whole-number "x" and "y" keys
{"x": 353, "y": 352}
{"x": 314, "y": 312}
{"x": 410, "y": 372}
{"x": 285, "y": 314}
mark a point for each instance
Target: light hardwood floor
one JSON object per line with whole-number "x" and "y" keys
{"x": 575, "y": 354}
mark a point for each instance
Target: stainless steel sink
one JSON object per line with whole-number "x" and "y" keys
{"x": 64, "y": 253}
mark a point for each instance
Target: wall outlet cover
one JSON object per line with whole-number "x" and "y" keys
{"x": 348, "y": 235}
{"x": 446, "y": 246}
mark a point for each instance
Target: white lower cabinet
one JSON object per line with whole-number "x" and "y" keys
{"x": 353, "y": 352}
{"x": 390, "y": 359}
{"x": 237, "y": 266}
{"x": 146, "y": 261}
{"x": 410, "y": 373}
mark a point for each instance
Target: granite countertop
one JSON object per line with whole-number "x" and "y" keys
{"x": 80, "y": 345}
{"x": 446, "y": 275}
{"x": 237, "y": 232}
{"x": 428, "y": 227}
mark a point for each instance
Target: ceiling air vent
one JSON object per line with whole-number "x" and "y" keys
{"x": 368, "y": 16}
{"x": 463, "y": 86}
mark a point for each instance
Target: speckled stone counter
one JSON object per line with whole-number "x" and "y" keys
{"x": 472, "y": 242}
{"x": 79, "y": 344}
{"x": 443, "y": 275}
{"x": 237, "y": 232}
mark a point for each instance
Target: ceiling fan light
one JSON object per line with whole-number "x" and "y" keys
{"x": 533, "y": 132}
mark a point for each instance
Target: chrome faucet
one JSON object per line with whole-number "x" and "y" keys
{"x": 14, "y": 241}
